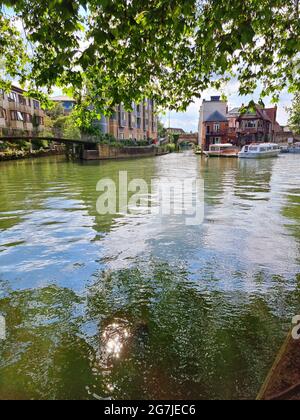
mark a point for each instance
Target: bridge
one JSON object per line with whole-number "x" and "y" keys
{"x": 188, "y": 138}
{"x": 74, "y": 147}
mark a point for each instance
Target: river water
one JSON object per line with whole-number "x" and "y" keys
{"x": 144, "y": 306}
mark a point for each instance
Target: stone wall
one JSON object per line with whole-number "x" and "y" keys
{"x": 105, "y": 152}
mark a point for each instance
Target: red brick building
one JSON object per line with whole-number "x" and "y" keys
{"x": 215, "y": 130}
{"x": 256, "y": 126}
{"x": 217, "y": 125}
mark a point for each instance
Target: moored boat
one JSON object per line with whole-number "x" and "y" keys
{"x": 222, "y": 150}
{"x": 295, "y": 148}
{"x": 198, "y": 151}
{"x": 259, "y": 151}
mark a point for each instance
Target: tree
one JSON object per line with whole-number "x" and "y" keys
{"x": 48, "y": 127}
{"x": 294, "y": 111}
{"x": 122, "y": 51}
{"x": 56, "y": 111}
{"x": 175, "y": 139}
{"x": 161, "y": 129}
{"x": 65, "y": 127}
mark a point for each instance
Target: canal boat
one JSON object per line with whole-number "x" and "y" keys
{"x": 222, "y": 150}
{"x": 259, "y": 151}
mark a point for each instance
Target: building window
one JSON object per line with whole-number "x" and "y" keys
{"x": 12, "y": 97}
{"x": 216, "y": 127}
{"x": 121, "y": 136}
{"x": 122, "y": 117}
{"x": 250, "y": 124}
{"x": 2, "y": 113}
{"x": 36, "y": 104}
{"x": 20, "y": 116}
{"x": 153, "y": 123}
{"x": 207, "y": 129}
{"x": 22, "y": 100}
{"x": 216, "y": 140}
{"x": 27, "y": 117}
{"x": 16, "y": 116}
{"x": 138, "y": 108}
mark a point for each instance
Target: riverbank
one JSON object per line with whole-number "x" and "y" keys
{"x": 107, "y": 152}
{"x": 21, "y": 154}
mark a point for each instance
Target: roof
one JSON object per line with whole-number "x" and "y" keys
{"x": 176, "y": 129}
{"x": 259, "y": 113}
{"x": 263, "y": 114}
{"x": 17, "y": 89}
{"x": 234, "y": 111}
{"x": 216, "y": 117}
{"x": 272, "y": 113}
{"x": 62, "y": 99}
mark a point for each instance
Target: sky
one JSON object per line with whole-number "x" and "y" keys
{"x": 189, "y": 120}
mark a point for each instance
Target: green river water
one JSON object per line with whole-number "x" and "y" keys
{"x": 144, "y": 306}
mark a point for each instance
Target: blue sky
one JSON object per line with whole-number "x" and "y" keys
{"x": 189, "y": 120}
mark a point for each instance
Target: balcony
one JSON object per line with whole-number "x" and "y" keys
{"x": 38, "y": 112}
{"x": 13, "y": 106}
{"x": 28, "y": 126}
{"x": 217, "y": 133}
{"x": 3, "y": 102}
{"x": 2, "y": 123}
{"x": 17, "y": 125}
{"x": 253, "y": 130}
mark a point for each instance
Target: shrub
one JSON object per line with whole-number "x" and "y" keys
{"x": 40, "y": 144}
{"x": 171, "y": 147}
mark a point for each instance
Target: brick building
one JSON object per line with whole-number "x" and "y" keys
{"x": 215, "y": 129}
{"x": 140, "y": 124}
{"x": 256, "y": 126}
{"x": 19, "y": 114}
{"x": 218, "y": 125}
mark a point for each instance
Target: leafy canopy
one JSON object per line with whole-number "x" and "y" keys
{"x": 112, "y": 51}
{"x": 294, "y": 111}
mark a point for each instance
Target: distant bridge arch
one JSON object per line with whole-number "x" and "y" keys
{"x": 188, "y": 138}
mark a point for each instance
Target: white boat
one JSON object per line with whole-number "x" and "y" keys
{"x": 222, "y": 150}
{"x": 259, "y": 151}
{"x": 295, "y": 148}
